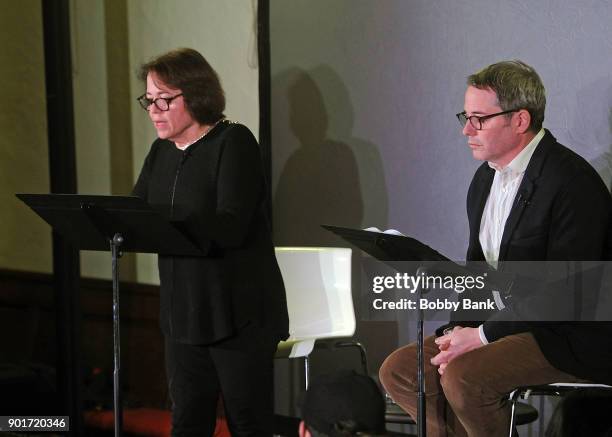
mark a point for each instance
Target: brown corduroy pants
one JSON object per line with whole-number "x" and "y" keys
{"x": 470, "y": 398}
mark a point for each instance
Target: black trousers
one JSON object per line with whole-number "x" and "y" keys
{"x": 240, "y": 368}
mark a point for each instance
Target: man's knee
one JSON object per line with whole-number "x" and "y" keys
{"x": 395, "y": 373}
{"x": 461, "y": 384}
{"x": 388, "y": 373}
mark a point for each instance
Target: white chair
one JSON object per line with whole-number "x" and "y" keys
{"x": 319, "y": 299}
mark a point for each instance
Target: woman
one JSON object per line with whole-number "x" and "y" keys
{"x": 222, "y": 314}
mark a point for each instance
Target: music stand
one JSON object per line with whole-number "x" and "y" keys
{"x": 389, "y": 248}
{"x": 118, "y": 223}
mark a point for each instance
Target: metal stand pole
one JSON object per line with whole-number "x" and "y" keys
{"x": 421, "y": 409}
{"x": 116, "y": 254}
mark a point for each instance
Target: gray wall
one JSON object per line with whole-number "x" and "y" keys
{"x": 365, "y": 92}
{"x": 363, "y": 101}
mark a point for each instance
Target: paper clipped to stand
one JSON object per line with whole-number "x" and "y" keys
{"x": 388, "y": 231}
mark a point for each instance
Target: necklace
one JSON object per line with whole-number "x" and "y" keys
{"x": 208, "y": 129}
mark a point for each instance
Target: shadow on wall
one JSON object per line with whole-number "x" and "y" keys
{"x": 326, "y": 176}
{"x": 603, "y": 163}
{"x": 594, "y": 126}
{"x": 331, "y": 177}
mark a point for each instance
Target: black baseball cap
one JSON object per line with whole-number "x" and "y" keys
{"x": 335, "y": 398}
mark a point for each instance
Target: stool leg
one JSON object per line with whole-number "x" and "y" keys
{"x": 513, "y": 398}
{"x": 306, "y": 371}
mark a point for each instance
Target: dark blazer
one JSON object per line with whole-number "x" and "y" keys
{"x": 215, "y": 190}
{"x": 562, "y": 212}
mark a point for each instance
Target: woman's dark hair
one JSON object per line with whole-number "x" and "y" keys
{"x": 187, "y": 70}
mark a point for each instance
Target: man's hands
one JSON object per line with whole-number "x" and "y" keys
{"x": 457, "y": 342}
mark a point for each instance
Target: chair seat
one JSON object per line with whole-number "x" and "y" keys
{"x": 525, "y": 414}
{"x": 556, "y": 389}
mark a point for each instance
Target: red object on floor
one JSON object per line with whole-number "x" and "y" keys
{"x": 149, "y": 422}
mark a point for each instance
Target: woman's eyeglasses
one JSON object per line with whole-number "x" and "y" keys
{"x": 162, "y": 103}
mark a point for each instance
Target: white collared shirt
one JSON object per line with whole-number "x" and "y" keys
{"x": 501, "y": 197}
{"x": 505, "y": 185}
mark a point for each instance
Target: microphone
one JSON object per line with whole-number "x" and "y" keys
{"x": 521, "y": 198}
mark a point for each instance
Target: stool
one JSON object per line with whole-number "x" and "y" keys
{"x": 556, "y": 389}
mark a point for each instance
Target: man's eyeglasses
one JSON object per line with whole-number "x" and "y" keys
{"x": 476, "y": 121}
{"x": 162, "y": 103}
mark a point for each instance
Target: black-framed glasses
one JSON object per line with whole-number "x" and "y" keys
{"x": 476, "y": 120}
{"x": 162, "y": 103}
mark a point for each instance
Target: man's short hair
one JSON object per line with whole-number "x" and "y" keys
{"x": 517, "y": 86}
{"x": 344, "y": 403}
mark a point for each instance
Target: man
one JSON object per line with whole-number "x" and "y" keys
{"x": 532, "y": 200}
{"x": 343, "y": 403}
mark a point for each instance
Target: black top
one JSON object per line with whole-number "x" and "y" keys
{"x": 216, "y": 191}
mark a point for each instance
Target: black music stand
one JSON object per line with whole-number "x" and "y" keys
{"x": 390, "y": 248}
{"x": 115, "y": 223}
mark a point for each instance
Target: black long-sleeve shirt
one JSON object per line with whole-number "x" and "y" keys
{"x": 215, "y": 190}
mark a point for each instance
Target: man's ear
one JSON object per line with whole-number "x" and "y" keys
{"x": 303, "y": 431}
{"x": 523, "y": 118}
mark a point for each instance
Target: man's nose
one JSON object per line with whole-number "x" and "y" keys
{"x": 468, "y": 130}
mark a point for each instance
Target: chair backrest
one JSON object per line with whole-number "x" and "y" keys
{"x": 318, "y": 285}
